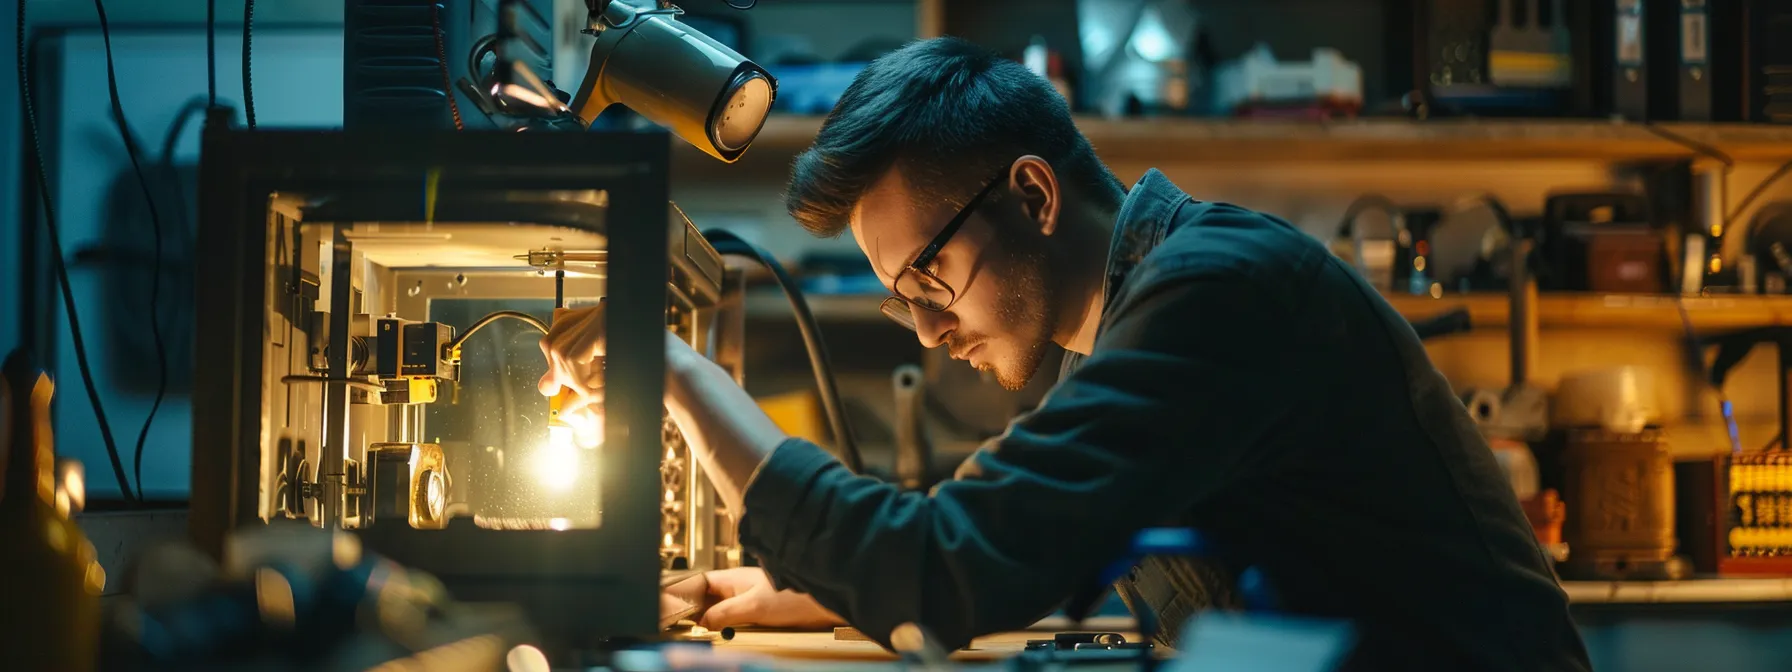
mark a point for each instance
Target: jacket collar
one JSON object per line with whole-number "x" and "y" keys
{"x": 1142, "y": 224}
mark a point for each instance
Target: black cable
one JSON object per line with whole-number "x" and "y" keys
{"x": 68, "y": 294}
{"x": 435, "y": 17}
{"x": 494, "y": 317}
{"x": 1759, "y": 189}
{"x": 155, "y": 223}
{"x": 248, "y": 72}
{"x": 211, "y": 52}
{"x": 182, "y": 214}
{"x": 729, "y": 244}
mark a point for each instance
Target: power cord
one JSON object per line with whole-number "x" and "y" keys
{"x": 211, "y": 53}
{"x": 155, "y": 223}
{"x": 61, "y": 267}
{"x": 435, "y": 17}
{"x": 1755, "y": 194}
{"x": 732, "y": 245}
{"x": 248, "y": 72}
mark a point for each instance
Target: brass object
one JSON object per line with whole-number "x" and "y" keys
{"x": 422, "y": 487}
{"x": 53, "y": 578}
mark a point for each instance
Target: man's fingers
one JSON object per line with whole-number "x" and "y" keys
{"x": 732, "y": 612}
{"x": 587, "y": 427}
{"x": 572, "y": 344}
{"x": 582, "y": 401}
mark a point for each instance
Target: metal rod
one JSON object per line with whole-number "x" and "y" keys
{"x": 559, "y": 288}
{"x": 336, "y": 432}
{"x": 1520, "y": 308}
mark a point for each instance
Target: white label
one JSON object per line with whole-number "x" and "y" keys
{"x": 1692, "y": 38}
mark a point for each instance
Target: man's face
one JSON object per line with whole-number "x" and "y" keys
{"x": 1002, "y": 317}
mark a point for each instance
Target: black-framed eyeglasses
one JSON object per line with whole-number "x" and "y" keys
{"x": 915, "y": 285}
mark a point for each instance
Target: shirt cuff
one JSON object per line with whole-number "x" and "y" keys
{"x": 774, "y": 521}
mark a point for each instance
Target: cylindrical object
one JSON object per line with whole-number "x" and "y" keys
{"x": 913, "y": 451}
{"x": 1620, "y": 493}
{"x": 1522, "y": 324}
{"x": 1620, "y": 399}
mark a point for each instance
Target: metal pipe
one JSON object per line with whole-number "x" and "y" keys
{"x": 913, "y": 451}
{"x": 336, "y": 431}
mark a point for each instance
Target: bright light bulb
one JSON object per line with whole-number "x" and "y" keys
{"x": 557, "y": 462}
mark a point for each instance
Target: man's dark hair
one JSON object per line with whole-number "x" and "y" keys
{"x": 947, "y": 113}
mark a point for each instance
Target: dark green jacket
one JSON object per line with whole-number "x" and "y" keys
{"x": 1245, "y": 383}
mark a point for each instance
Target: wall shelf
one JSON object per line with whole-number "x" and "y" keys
{"x": 1227, "y": 140}
{"x": 1625, "y": 311}
{"x": 1486, "y": 310}
{"x": 1691, "y": 591}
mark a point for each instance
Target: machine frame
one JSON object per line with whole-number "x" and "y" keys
{"x": 582, "y": 586}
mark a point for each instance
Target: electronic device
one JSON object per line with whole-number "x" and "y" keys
{"x": 354, "y": 376}
{"x": 1512, "y": 57}
{"x": 1767, "y": 61}
{"x": 371, "y": 300}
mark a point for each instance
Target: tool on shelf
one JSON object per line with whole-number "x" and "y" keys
{"x": 1753, "y": 508}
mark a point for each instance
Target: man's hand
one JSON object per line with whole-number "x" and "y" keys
{"x": 747, "y": 598}
{"x": 574, "y": 348}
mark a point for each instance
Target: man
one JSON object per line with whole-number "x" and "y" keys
{"x": 1226, "y": 374}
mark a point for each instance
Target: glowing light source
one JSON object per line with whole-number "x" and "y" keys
{"x": 557, "y": 462}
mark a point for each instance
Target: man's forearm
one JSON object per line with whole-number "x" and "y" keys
{"x": 725, "y": 429}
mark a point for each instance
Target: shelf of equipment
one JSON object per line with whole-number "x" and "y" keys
{"x": 1486, "y": 310}
{"x": 1232, "y": 140}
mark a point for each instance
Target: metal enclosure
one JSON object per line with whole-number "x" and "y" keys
{"x": 313, "y": 246}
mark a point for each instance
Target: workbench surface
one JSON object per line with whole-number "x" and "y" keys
{"x": 787, "y": 645}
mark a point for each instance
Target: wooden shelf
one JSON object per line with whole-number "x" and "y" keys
{"x": 1486, "y": 311}
{"x": 1690, "y": 591}
{"x": 1233, "y": 141}
{"x": 1628, "y": 311}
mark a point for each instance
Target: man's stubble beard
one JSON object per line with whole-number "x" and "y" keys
{"x": 1029, "y": 305}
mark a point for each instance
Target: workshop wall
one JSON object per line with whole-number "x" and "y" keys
{"x": 13, "y": 255}
{"x": 105, "y": 228}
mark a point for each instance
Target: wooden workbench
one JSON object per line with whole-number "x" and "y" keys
{"x": 791, "y": 648}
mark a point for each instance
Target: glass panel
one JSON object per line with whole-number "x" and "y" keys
{"x": 511, "y": 470}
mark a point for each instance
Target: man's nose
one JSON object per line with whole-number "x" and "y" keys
{"x": 931, "y": 327}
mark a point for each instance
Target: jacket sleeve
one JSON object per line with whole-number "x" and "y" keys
{"x": 1179, "y": 397}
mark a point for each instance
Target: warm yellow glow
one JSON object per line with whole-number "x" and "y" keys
{"x": 273, "y": 595}
{"x": 557, "y": 462}
{"x": 71, "y": 491}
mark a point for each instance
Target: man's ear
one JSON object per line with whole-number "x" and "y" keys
{"x": 1034, "y": 181}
